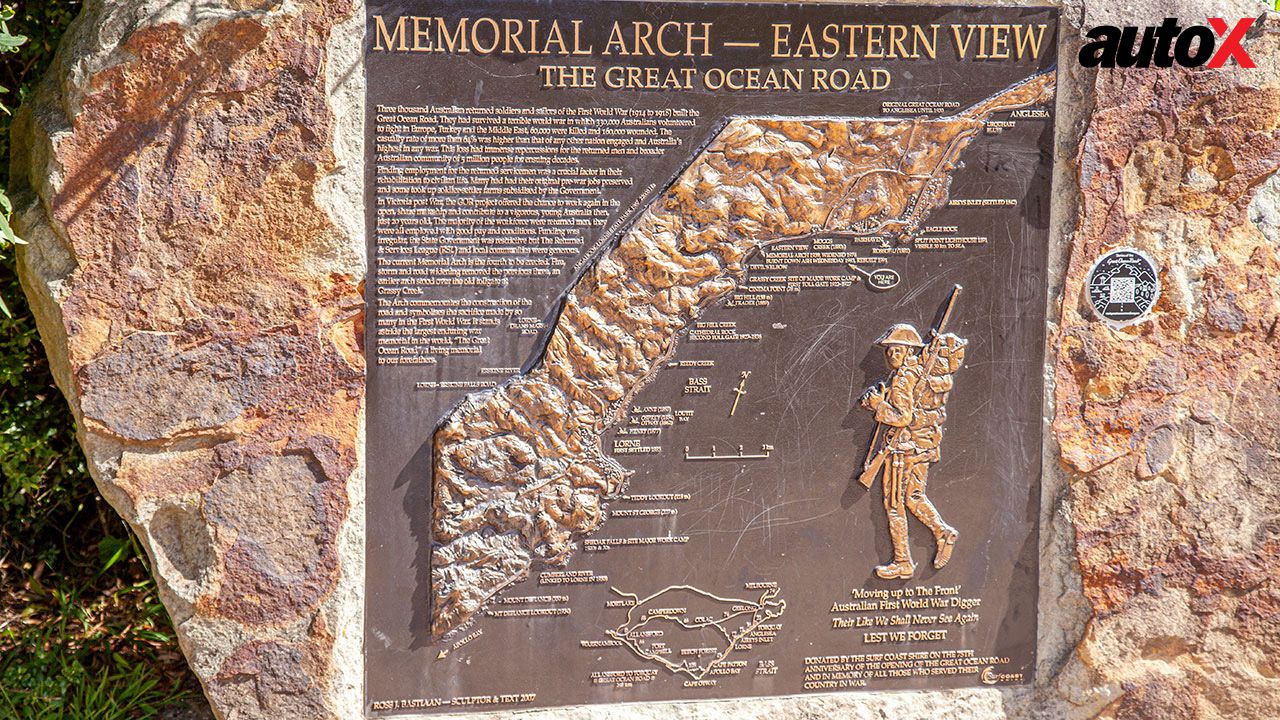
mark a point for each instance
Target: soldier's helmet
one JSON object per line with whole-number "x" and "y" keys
{"x": 901, "y": 334}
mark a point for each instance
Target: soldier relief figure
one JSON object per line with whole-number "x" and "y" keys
{"x": 910, "y": 409}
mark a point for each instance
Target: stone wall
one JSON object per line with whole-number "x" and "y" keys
{"x": 195, "y": 265}
{"x": 189, "y": 179}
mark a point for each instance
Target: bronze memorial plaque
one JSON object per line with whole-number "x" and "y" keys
{"x": 705, "y": 349}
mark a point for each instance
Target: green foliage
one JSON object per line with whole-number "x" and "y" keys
{"x": 82, "y": 633}
{"x": 73, "y": 656}
{"x": 45, "y": 492}
{"x": 39, "y": 24}
{"x": 9, "y": 43}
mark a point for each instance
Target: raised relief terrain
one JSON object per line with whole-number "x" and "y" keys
{"x": 519, "y": 471}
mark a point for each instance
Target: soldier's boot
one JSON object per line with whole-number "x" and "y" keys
{"x": 946, "y": 543}
{"x": 901, "y": 568}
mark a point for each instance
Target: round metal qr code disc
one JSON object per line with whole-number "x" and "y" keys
{"x": 1123, "y": 286}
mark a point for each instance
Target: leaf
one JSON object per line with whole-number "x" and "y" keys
{"x": 6, "y": 232}
{"x": 9, "y": 43}
{"x": 111, "y": 550}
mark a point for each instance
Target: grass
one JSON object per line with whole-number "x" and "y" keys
{"x": 83, "y": 635}
{"x": 89, "y": 640}
{"x": 94, "y": 656}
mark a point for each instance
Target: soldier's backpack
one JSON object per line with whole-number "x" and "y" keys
{"x": 940, "y": 359}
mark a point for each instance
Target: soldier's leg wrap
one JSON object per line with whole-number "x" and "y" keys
{"x": 918, "y": 503}
{"x": 894, "y": 507}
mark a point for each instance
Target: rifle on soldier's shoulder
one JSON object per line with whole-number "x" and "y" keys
{"x": 875, "y": 460}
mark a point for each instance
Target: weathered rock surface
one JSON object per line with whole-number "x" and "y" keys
{"x": 202, "y": 308}
{"x": 1169, "y": 428}
{"x": 189, "y": 180}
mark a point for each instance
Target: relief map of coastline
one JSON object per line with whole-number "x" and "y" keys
{"x": 705, "y": 346}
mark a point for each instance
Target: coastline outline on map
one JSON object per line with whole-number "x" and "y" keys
{"x": 645, "y": 612}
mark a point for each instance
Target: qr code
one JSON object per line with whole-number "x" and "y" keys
{"x": 1122, "y": 290}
